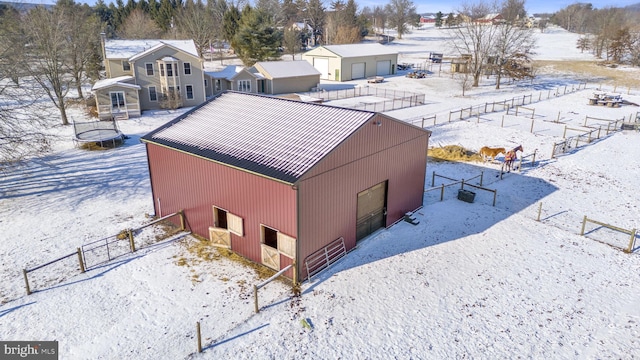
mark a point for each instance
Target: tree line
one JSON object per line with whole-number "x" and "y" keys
{"x": 610, "y": 33}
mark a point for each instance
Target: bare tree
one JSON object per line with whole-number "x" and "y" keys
{"x": 513, "y": 10}
{"x": 401, "y": 15}
{"x": 465, "y": 80}
{"x": 46, "y": 33}
{"x": 474, "y": 38}
{"x": 83, "y": 42}
{"x": 139, "y": 25}
{"x": 511, "y": 48}
{"x": 196, "y": 22}
{"x": 291, "y": 41}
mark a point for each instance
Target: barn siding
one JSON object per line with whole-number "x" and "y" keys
{"x": 394, "y": 151}
{"x": 183, "y": 181}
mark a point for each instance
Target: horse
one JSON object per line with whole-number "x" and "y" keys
{"x": 511, "y": 156}
{"x": 487, "y": 152}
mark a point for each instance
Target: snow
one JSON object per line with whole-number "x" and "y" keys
{"x": 471, "y": 280}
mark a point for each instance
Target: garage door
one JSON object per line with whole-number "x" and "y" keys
{"x": 383, "y": 67}
{"x": 322, "y": 65}
{"x": 371, "y": 214}
{"x": 357, "y": 71}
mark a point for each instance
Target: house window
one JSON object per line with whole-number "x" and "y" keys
{"x": 117, "y": 99}
{"x": 161, "y": 69}
{"x": 189, "y": 90}
{"x": 244, "y": 85}
{"x": 169, "y": 70}
{"x": 218, "y": 85}
{"x": 126, "y": 66}
{"x": 153, "y": 95}
{"x": 187, "y": 68}
{"x": 206, "y": 83}
{"x": 149, "y": 67}
{"x": 226, "y": 220}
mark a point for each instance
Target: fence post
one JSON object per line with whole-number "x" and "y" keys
{"x": 495, "y": 195}
{"x": 199, "y": 337}
{"x": 478, "y": 121}
{"x": 584, "y": 222}
{"x": 80, "y": 260}
{"x": 564, "y": 134}
{"x": 558, "y": 118}
{"x": 502, "y": 123}
{"x": 532, "y": 121}
{"x": 433, "y": 179}
{"x": 255, "y": 299}
{"x": 442, "y": 193}
{"x": 539, "y": 211}
{"x": 182, "y": 222}
{"x": 631, "y": 241}
{"x": 481, "y": 176}
{"x": 26, "y": 281}
{"x": 132, "y": 243}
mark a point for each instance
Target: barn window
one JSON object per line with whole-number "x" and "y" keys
{"x": 226, "y": 220}
{"x": 286, "y": 245}
{"x": 269, "y": 236}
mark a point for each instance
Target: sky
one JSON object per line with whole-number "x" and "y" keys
{"x": 425, "y": 6}
{"x": 471, "y": 280}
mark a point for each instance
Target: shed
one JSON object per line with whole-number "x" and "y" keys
{"x": 352, "y": 61}
{"x": 277, "y": 180}
{"x": 283, "y": 77}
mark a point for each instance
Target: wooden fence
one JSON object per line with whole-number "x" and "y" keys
{"x": 462, "y": 183}
{"x": 106, "y": 249}
{"x": 631, "y": 232}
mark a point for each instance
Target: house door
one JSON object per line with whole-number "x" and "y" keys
{"x": 117, "y": 102}
{"x": 372, "y": 211}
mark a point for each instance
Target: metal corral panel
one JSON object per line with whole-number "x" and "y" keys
{"x": 183, "y": 181}
{"x": 391, "y": 151}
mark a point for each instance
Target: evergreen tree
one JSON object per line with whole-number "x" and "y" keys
{"x": 164, "y": 16}
{"x": 231, "y": 23}
{"x": 256, "y": 38}
{"x": 439, "y": 19}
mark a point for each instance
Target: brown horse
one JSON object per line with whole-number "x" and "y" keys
{"x": 487, "y": 152}
{"x": 511, "y": 156}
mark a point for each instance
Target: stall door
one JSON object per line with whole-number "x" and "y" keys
{"x": 371, "y": 214}
{"x": 357, "y": 71}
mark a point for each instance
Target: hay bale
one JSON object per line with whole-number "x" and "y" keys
{"x": 452, "y": 153}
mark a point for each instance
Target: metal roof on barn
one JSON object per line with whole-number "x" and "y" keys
{"x": 277, "y": 138}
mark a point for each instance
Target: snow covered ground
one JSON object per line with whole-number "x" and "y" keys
{"x": 472, "y": 280}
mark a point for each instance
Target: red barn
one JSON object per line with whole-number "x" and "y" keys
{"x": 277, "y": 180}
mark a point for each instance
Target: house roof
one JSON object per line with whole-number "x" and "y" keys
{"x": 277, "y": 138}
{"x": 359, "y": 50}
{"x": 125, "y": 49}
{"x": 119, "y": 81}
{"x": 231, "y": 71}
{"x": 286, "y": 69}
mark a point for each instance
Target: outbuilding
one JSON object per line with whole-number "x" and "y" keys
{"x": 352, "y": 61}
{"x": 278, "y": 180}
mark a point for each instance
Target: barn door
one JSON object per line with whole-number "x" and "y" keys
{"x": 270, "y": 257}
{"x": 371, "y": 214}
{"x": 220, "y": 237}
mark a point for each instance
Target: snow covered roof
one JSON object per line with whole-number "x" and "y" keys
{"x": 359, "y": 50}
{"x": 278, "y": 138}
{"x": 285, "y": 69}
{"x": 120, "y": 81}
{"x": 125, "y": 49}
{"x": 228, "y": 72}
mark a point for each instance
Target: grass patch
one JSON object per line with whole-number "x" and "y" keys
{"x": 592, "y": 72}
{"x": 452, "y": 153}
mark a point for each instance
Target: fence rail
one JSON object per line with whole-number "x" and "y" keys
{"x": 397, "y": 99}
{"x": 101, "y": 247}
{"x": 631, "y": 232}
